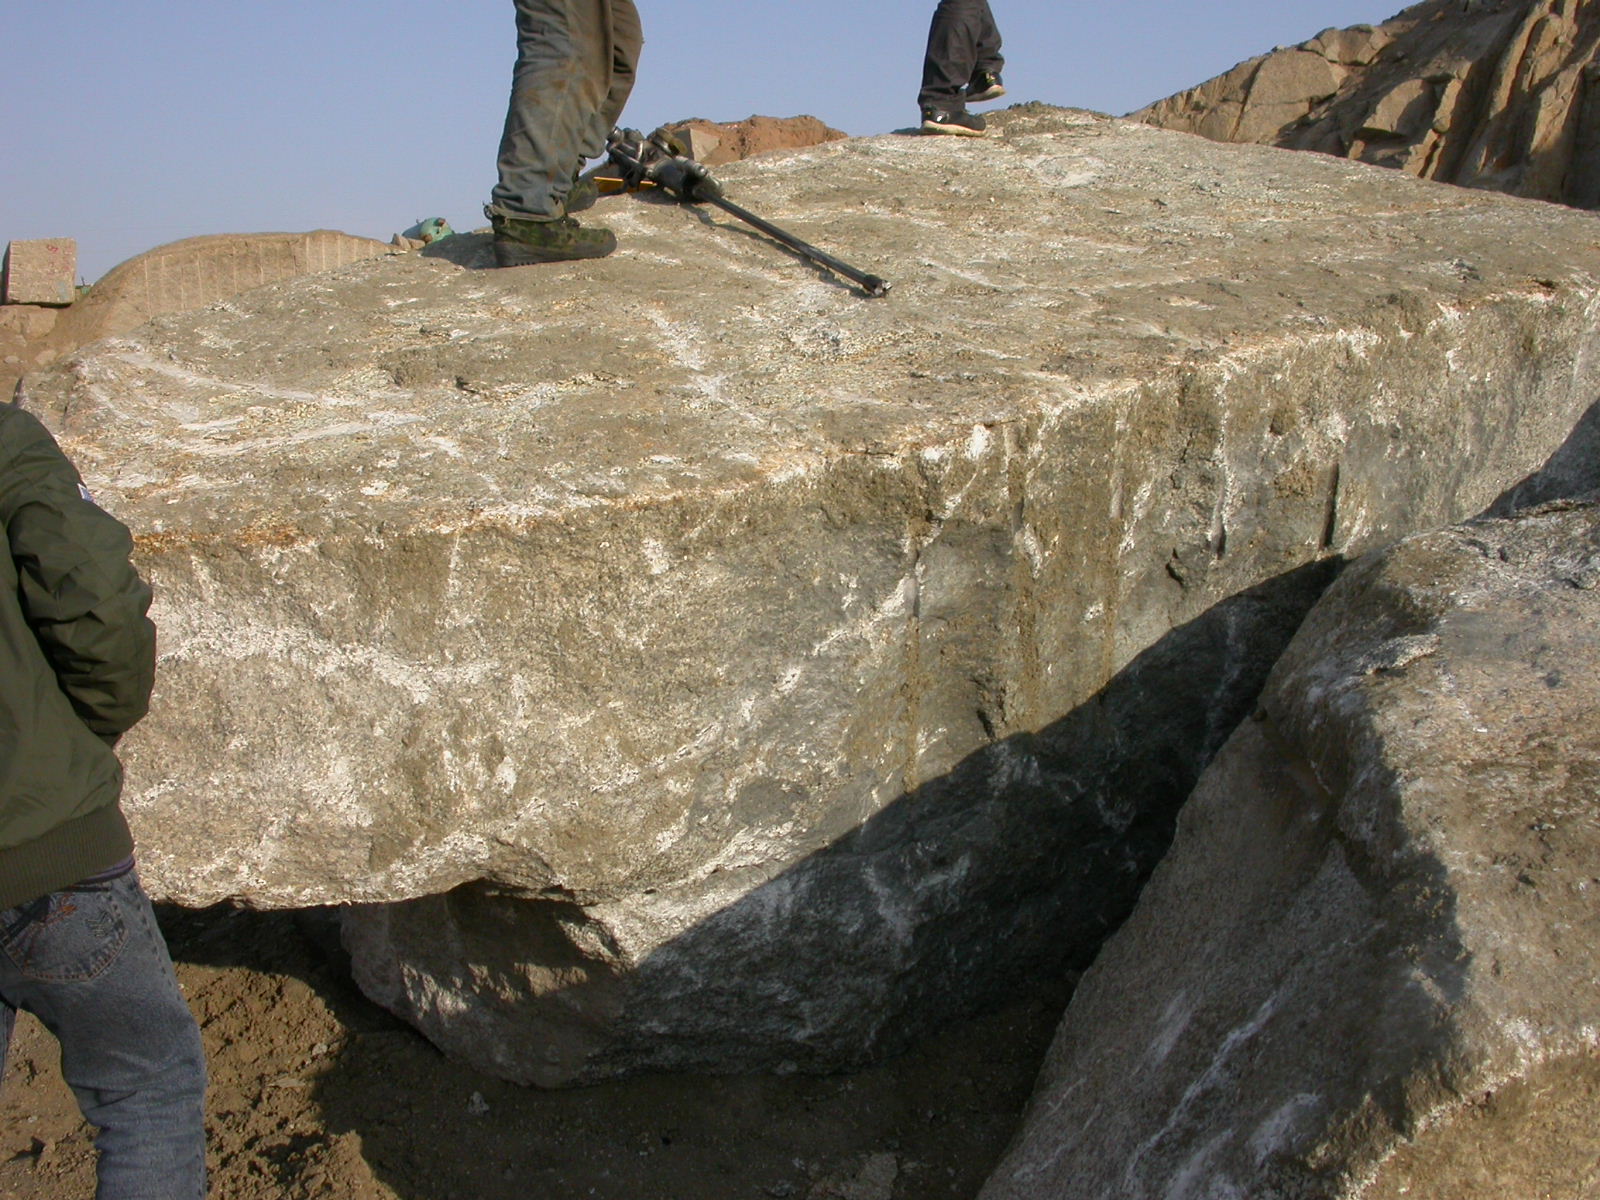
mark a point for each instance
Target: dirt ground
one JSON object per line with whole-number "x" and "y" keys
{"x": 315, "y": 1092}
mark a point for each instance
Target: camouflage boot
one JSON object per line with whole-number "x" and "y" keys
{"x": 522, "y": 243}
{"x": 585, "y": 191}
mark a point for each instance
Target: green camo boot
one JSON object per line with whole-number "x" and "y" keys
{"x": 520, "y": 243}
{"x": 585, "y": 191}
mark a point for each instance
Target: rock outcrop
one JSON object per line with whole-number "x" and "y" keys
{"x": 718, "y": 142}
{"x": 1484, "y": 93}
{"x": 690, "y": 663}
{"x": 23, "y": 328}
{"x": 1367, "y": 968}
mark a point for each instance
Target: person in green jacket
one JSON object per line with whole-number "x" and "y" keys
{"x": 79, "y": 947}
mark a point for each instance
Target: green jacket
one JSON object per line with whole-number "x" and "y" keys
{"x": 77, "y": 661}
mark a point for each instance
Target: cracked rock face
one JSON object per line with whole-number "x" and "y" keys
{"x": 683, "y": 661}
{"x": 1484, "y": 93}
{"x": 1367, "y": 966}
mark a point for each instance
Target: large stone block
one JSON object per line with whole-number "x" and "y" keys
{"x": 40, "y": 271}
{"x": 1367, "y": 968}
{"x": 725, "y": 670}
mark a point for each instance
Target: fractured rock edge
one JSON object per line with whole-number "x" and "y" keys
{"x": 1366, "y": 968}
{"x": 1497, "y": 95}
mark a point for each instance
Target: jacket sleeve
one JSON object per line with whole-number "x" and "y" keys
{"x": 77, "y": 586}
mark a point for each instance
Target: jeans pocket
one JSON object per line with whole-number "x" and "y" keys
{"x": 68, "y": 935}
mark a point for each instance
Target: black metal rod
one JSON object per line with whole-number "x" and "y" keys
{"x": 690, "y": 183}
{"x": 872, "y": 284}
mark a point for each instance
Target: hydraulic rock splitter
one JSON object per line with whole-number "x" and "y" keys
{"x": 658, "y": 161}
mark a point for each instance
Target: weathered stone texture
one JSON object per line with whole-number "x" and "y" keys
{"x": 198, "y": 271}
{"x": 1367, "y": 968}
{"x": 40, "y": 271}
{"x": 24, "y": 323}
{"x": 717, "y": 143}
{"x": 1491, "y": 95}
{"x": 728, "y": 671}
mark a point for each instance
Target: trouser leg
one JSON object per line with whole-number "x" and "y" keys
{"x": 627, "y": 41}
{"x": 962, "y": 38}
{"x": 986, "y": 43}
{"x": 91, "y": 964}
{"x": 562, "y": 79}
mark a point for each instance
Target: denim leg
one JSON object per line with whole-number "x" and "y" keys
{"x": 561, "y": 81}
{"x": 961, "y": 38}
{"x": 92, "y": 965}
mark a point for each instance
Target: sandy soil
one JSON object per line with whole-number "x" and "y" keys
{"x": 318, "y": 1093}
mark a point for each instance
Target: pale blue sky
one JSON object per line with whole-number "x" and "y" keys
{"x": 126, "y": 125}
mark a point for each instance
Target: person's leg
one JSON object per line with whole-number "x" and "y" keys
{"x": 91, "y": 964}
{"x": 986, "y": 56}
{"x": 951, "y": 54}
{"x": 561, "y": 79}
{"x": 626, "y": 42}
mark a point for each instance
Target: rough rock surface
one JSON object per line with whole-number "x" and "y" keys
{"x": 730, "y": 671}
{"x": 39, "y": 271}
{"x": 715, "y": 143}
{"x": 1484, "y": 93}
{"x": 198, "y": 271}
{"x": 22, "y": 328}
{"x": 1367, "y": 968}
{"x": 176, "y": 277}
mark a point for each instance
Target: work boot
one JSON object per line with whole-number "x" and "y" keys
{"x": 522, "y": 243}
{"x": 585, "y": 191}
{"x": 962, "y": 124}
{"x": 984, "y": 85}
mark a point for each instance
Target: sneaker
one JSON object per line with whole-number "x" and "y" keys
{"x": 962, "y": 124}
{"x": 520, "y": 243}
{"x": 984, "y": 85}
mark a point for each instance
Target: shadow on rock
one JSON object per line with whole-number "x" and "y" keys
{"x": 1568, "y": 473}
{"x": 473, "y": 251}
{"x": 1011, "y": 869}
{"x": 316, "y": 1092}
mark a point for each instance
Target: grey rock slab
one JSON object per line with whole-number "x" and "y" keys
{"x": 1367, "y": 967}
{"x": 751, "y": 674}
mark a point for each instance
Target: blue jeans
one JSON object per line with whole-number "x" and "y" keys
{"x": 576, "y": 61}
{"x": 90, "y": 963}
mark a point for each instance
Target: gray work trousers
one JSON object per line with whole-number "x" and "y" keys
{"x": 576, "y": 61}
{"x": 962, "y": 39}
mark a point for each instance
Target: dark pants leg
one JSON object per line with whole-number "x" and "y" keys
{"x": 90, "y": 963}
{"x": 576, "y": 61}
{"x": 962, "y": 39}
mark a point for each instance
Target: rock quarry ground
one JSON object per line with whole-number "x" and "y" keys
{"x": 316, "y": 1092}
